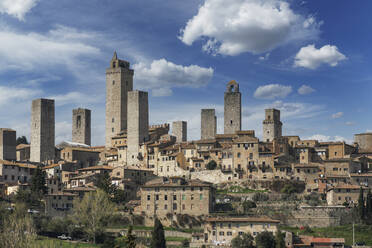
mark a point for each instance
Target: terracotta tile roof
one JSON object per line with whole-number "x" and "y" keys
{"x": 50, "y": 166}
{"x": 327, "y": 240}
{"x": 22, "y": 165}
{"x": 158, "y": 182}
{"x": 346, "y": 186}
{"x": 85, "y": 189}
{"x": 206, "y": 141}
{"x": 62, "y": 194}
{"x": 21, "y": 146}
{"x": 262, "y": 219}
{"x": 361, "y": 175}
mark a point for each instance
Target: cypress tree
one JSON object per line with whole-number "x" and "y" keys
{"x": 158, "y": 237}
{"x": 361, "y": 209}
{"x": 130, "y": 239}
{"x": 279, "y": 240}
{"x": 369, "y": 203}
{"x": 38, "y": 182}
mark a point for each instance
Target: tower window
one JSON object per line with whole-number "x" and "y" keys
{"x": 231, "y": 122}
{"x": 78, "y": 121}
{"x": 113, "y": 82}
{"x": 113, "y": 120}
{"x": 112, "y": 129}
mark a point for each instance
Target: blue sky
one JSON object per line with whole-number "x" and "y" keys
{"x": 311, "y": 59}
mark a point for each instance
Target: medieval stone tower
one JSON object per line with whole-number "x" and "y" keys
{"x": 81, "y": 132}
{"x": 42, "y": 130}
{"x": 233, "y": 108}
{"x": 208, "y": 124}
{"x": 119, "y": 80}
{"x": 272, "y": 126}
{"x": 179, "y": 130}
{"x": 8, "y": 144}
{"x": 138, "y": 125}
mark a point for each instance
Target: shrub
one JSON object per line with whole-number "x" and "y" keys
{"x": 260, "y": 197}
{"x": 212, "y": 165}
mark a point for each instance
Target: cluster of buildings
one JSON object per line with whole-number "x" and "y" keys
{"x": 167, "y": 174}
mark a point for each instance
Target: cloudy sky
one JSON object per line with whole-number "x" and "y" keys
{"x": 310, "y": 59}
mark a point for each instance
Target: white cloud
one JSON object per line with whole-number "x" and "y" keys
{"x": 325, "y": 138}
{"x": 17, "y": 8}
{"x": 337, "y": 115}
{"x": 10, "y": 95}
{"x": 310, "y": 57}
{"x": 272, "y": 91}
{"x": 161, "y": 76}
{"x": 254, "y": 26}
{"x": 61, "y": 46}
{"x": 73, "y": 97}
{"x": 349, "y": 123}
{"x": 305, "y": 89}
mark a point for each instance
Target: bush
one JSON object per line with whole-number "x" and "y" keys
{"x": 223, "y": 207}
{"x": 265, "y": 240}
{"x": 287, "y": 186}
{"x": 247, "y": 205}
{"x": 260, "y": 197}
{"x": 212, "y": 165}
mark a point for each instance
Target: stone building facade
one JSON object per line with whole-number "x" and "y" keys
{"x": 221, "y": 230}
{"x": 233, "y": 108}
{"x": 208, "y": 124}
{"x": 272, "y": 126}
{"x": 119, "y": 80}
{"x": 8, "y": 144}
{"x": 42, "y": 130}
{"x": 179, "y": 130}
{"x": 81, "y": 126}
{"x": 138, "y": 125}
{"x": 163, "y": 197}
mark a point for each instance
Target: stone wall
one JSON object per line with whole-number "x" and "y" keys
{"x": 232, "y": 109}
{"x": 8, "y": 144}
{"x": 81, "y": 126}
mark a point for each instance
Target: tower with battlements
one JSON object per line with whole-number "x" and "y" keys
{"x": 232, "y": 108}
{"x": 272, "y": 126}
{"x": 42, "y": 130}
{"x": 119, "y": 81}
{"x": 81, "y": 121}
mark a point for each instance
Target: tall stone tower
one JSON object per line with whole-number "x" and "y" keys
{"x": 272, "y": 126}
{"x": 81, "y": 132}
{"x": 233, "y": 108}
{"x": 138, "y": 125}
{"x": 179, "y": 129}
{"x": 208, "y": 124}
{"x": 42, "y": 130}
{"x": 119, "y": 80}
{"x": 8, "y": 143}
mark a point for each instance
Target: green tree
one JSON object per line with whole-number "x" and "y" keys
{"x": 185, "y": 243}
{"x": 265, "y": 240}
{"x": 243, "y": 241}
{"x": 93, "y": 213}
{"x": 280, "y": 239}
{"x": 38, "y": 182}
{"x": 18, "y": 230}
{"x": 369, "y": 203}
{"x": 119, "y": 196}
{"x": 247, "y": 205}
{"x": 128, "y": 241}
{"x": 22, "y": 140}
{"x": 158, "y": 238}
{"x": 27, "y": 197}
{"x": 104, "y": 182}
{"x": 361, "y": 208}
{"x": 212, "y": 165}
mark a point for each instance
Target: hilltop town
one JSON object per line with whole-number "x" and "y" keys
{"x": 206, "y": 192}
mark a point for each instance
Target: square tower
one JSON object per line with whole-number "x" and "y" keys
{"x": 208, "y": 124}
{"x": 81, "y": 132}
{"x": 8, "y": 143}
{"x": 272, "y": 126}
{"x": 119, "y": 80}
{"x": 42, "y": 130}
{"x": 138, "y": 125}
{"x": 233, "y": 108}
{"x": 179, "y": 130}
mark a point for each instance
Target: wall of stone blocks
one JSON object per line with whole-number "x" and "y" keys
{"x": 179, "y": 130}
{"x": 81, "y": 126}
{"x": 8, "y": 143}
{"x": 208, "y": 124}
